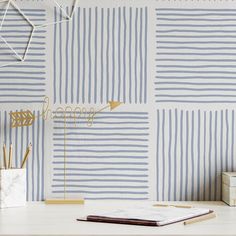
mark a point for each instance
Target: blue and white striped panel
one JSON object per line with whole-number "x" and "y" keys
{"x": 23, "y": 82}
{"x": 106, "y": 161}
{"x": 195, "y": 55}
{"x": 101, "y": 56}
{"x": 193, "y": 148}
{"x": 20, "y": 139}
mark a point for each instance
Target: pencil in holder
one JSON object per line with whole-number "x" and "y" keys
{"x": 12, "y": 188}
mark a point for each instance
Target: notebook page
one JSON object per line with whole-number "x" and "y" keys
{"x": 162, "y": 215}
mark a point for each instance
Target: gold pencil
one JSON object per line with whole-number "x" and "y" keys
{"x": 5, "y": 156}
{"x": 10, "y": 158}
{"x": 200, "y": 218}
{"x": 28, "y": 150}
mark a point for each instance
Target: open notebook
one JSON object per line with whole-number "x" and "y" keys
{"x": 149, "y": 216}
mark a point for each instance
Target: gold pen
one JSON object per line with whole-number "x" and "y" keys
{"x": 166, "y": 205}
{"x": 5, "y": 156}
{"x": 26, "y": 156}
{"x": 10, "y": 158}
{"x": 200, "y": 218}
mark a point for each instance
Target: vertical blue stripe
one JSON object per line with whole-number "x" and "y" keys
{"x": 79, "y": 53}
{"x": 33, "y": 160}
{"x": 221, "y": 144}
{"x": 175, "y": 155}
{"x": 135, "y": 56}
{"x": 210, "y": 156}
{"x": 67, "y": 58}
{"x": 130, "y": 54}
{"x": 204, "y": 157}
{"x": 84, "y": 55}
{"x": 38, "y": 158}
{"x": 113, "y": 53}
{"x": 27, "y": 165}
{"x": 43, "y": 161}
{"x": 60, "y": 57}
{"x": 192, "y": 158}
{"x": 163, "y": 154}
{"x": 157, "y": 156}
{"x": 96, "y": 54}
{"x": 141, "y": 56}
{"x": 227, "y": 140}
{"x": 72, "y": 59}
{"x": 232, "y": 147}
{"x": 169, "y": 157}
{"x": 107, "y": 53}
{"x": 199, "y": 155}
{"x": 90, "y": 58}
{"x": 186, "y": 158}
{"x": 102, "y": 62}
{"x": 181, "y": 156}
{"x": 124, "y": 56}
{"x": 55, "y": 58}
{"x": 119, "y": 57}
{"x": 145, "y": 64}
{"x": 216, "y": 156}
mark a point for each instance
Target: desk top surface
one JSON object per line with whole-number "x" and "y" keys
{"x": 41, "y": 219}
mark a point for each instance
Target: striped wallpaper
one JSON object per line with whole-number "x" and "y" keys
{"x": 193, "y": 148}
{"x": 157, "y": 57}
{"x": 20, "y": 138}
{"x": 195, "y": 55}
{"x": 24, "y": 82}
{"x": 101, "y": 56}
{"x": 106, "y": 161}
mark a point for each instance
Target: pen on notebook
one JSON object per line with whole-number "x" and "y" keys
{"x": 28, "y": 150}
{"x": 166, "y": 205}
{"x": 10, "y": 158}
{"x": 200, "y": 218}
{"x": 5, "y": 156}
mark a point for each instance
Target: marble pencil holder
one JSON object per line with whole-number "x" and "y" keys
{"x": 12, "y": 188}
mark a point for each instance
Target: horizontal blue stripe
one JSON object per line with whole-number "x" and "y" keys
{"x": 194, "y": 77}
{"x": 196, "y": 36}
{"x": 190, "y": 83}
{"x": 102, "y": 151}
{"x": 102, "y": 139}
{"x": 193, "y": 15}
{"x": 100, "y": 192}
{"x": 197, "y": 54}
{"x": 115, "y": 198}
{"x": 102, "y": 134}
{"x": 100, "y": 145}
{"x": 197, "y": 72}
{"x": 197, "y": 101}
{"x": 192, "y": 95}
{"x": 97, "y": 186}
{"x": 195, "y": 42}
{"x": 194, "y": 31}
{"x": 22, "y": 31}
{"x": 198, "y": 89}
{"x": 197, "y": 48}
{"x": 101, "y": 163}
{"x": 196, "y": 60}
{"x": 196, "y": 9}
{"x": 101, "y": 122}
{"x": 100, "y": 157}
{"x": 196, "y": 25}
{"x": 105, "y": 175}
{"x": 103, "y": 169}
{"x": 22, "y": 101}
{"x": 193, "y": 19}
{"x": 90, "y": 128}
{"x": 197, "y": 66}
{"x": 25, "y": 84}
{"x": 103, "y": 180}
{"x": 22, "y": 96}
{"x": 21, "y": 89}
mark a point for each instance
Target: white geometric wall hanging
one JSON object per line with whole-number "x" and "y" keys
{"x": 19, "y": 58}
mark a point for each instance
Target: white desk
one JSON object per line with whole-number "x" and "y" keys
{"x": 40, "y": 219}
